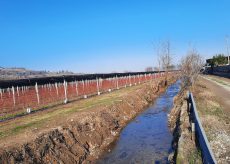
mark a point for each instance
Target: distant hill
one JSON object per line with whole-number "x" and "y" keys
{"x": 22, "y": 73}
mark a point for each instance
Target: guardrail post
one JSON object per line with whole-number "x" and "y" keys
{"x": 198, "y": 133}
{"x": 193, "y": 132}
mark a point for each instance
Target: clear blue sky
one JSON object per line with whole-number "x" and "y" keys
{"x": 107, "y": 35}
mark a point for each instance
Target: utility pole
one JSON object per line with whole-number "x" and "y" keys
{"x": 227, "y": 44}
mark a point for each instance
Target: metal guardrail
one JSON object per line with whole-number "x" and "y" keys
{"x": 206, "y": 151}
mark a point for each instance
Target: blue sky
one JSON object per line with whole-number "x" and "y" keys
{"x": 107, "y": 35}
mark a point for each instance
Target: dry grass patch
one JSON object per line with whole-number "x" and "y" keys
{"x": 214, "y": 121}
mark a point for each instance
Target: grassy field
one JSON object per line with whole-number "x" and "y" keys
{"x": 43, "y": 119}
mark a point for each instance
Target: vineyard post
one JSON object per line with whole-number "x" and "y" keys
{"x": 49, "y": 86}
{"x": 37, "y": 93}
{"x": 135, "y": 79}
{"x": 109, "y": 84}
{"x": 76, "y": 87}
{"x": 13, "y": 95}
{"x": 65, "y": 89}
{"x": 130, "y": 83}
{"x": 101, "y": 84}
{"x": 56, "y": 86}
{"x": 98, "y": 90}
{"x": 117, "y": 83}
{"x": 17, "y": 91}
{"x": 8, "y": 90}
{"x": 1, "y": 93}
{"x": 83, "y": 82}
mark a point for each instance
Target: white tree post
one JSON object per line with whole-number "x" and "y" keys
{"x": 50, "y": 87}
{"x": 37, "y": 93}
{"x": 83, "y": 83}
{"x": 98, "y": 89}
{"x": 1, "y": 93}
{"x": 13, "y": 93}
{"x": 76, "y": 83}
{"x": 130, "y": 83}
{"x": 101, "y": 84}
{"x": 65, "y": 90}
{"x": 17, "y": 91}
{"x": 117, "y": 82}
{"x": 8, "y": 90}
{"x": 135, "y": 78}
{"x": 56, "y": 86}
{"x": 108, "y": 79}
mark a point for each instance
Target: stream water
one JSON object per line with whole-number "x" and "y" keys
{"x": 146, "y": 139}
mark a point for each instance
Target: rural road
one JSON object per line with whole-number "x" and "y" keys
{"x": 221, "y": 88}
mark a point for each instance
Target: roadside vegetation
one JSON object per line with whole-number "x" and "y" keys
{"x": 214, "y": 120}
{"x": 186, "y": 149}
{"x": 219, "y": 59}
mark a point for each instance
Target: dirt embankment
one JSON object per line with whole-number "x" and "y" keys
{"x": 85, "y": 135}
{"x": 183, "y": 144}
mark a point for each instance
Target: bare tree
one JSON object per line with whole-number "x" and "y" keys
{"x": 157, "y": 47}
{"x": 165, "y": 56}
{"x": 191, "y": 65}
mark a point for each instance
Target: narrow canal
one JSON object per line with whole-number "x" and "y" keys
{"x": 147, "y": 139}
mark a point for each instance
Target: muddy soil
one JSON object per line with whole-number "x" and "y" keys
{"x": 84, "y": 138}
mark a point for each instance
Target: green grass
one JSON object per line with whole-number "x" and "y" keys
{"x": 42, "y": 119}
{"x": 195, "y": 157}
{"x": 11, "y": 115}
{"x": 19, "y": 128}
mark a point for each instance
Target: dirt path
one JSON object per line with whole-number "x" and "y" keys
{"x": 212, "y": 96}
{"x": 221, "y": 88}
{"x": 218, "y": 77}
